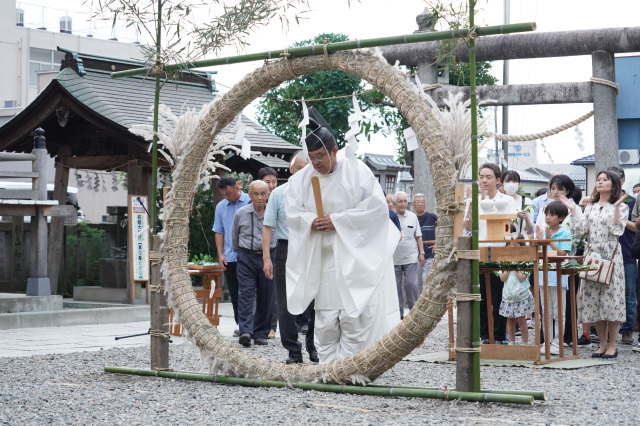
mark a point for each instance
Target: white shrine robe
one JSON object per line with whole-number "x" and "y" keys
{"x": 349, "y": 271}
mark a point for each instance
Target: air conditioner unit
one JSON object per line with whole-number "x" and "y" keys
{"x": 20, "y": 17}
{"x": 628, "y": 156}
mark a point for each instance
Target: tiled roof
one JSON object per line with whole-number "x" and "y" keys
{"x": 267, "y": 160}
{"x": 126, "y": 101}
{"x": 123, "y": 102}
{"x": 589, "y": 159}
{"x": 383, "y": 162}
{"x": 577, "y": 174}
{"x": 263, "y": 140}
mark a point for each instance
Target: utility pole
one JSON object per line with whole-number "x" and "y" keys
{"x": 505, "y": 81}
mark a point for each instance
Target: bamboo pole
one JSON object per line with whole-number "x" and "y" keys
{"x": 319, "y": 49}
{"x": 323, "y": 387}
{"x": 537, "y": 395}
{"x": 475, "y": 265}
{"x": 154, "y": 150}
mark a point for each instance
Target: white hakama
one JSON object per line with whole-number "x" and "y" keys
{"x": 349, "y": 271}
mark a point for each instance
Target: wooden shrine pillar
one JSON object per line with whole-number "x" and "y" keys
{"x": 605, "y": 120}
{"x": 56, "y": 230}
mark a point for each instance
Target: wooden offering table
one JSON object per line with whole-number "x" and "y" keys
{"x": 537, "y": 250}
{"x": 210, "y": 294}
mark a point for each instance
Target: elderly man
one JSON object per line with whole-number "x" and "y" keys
{"x": 408, "y": 254}
{"x": 270, "y": 177}
{"x": 276, "y": 217}
{"x": 342, "y": 258}
{"x": 428, "y": 222}
{"x": 225, "y": 210}
{"x": 254, "y": 289}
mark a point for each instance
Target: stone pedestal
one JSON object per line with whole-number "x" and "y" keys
{"x": 38, "y": 287}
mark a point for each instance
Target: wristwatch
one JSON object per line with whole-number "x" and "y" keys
{"x": 422, "y": 253}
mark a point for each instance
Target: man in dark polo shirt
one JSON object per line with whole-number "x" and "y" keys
{"x": 428, "y": 222}
{"x": 254, "y": 288}
{"x": 630, "y": 267}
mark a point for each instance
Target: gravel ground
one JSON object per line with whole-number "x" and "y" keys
{"x": 73, "y": 388}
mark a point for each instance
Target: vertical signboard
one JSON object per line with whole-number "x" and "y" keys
{"x": 138, "y": 221}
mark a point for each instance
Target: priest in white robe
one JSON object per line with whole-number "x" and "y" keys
{"x": 343, "y": 260}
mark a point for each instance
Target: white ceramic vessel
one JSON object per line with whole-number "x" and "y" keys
{"x": 486, "y": 206}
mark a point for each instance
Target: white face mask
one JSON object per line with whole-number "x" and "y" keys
{"x": 511, "y": 188}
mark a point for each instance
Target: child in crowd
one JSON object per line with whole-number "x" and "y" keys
{"x": 555, "y": 212}
{"x": 517, "y": 300}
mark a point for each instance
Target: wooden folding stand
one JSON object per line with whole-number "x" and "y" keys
{"x": 524, "y": 254}
{"x": 210, "y": 297}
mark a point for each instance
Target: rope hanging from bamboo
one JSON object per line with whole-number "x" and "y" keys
{"x": 555, "y": 130}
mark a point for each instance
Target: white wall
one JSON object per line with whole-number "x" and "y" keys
{"x": 15, "y": 43}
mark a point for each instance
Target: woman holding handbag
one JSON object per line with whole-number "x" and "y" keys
{"x": 603, "y": 221}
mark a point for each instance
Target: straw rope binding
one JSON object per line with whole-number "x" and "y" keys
{"x": 220, "y": 356}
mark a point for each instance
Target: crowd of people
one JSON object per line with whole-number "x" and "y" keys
{"x": 328, "y": 275}
{"x": 342, "y": 271}
{"x": 602, "y": 225}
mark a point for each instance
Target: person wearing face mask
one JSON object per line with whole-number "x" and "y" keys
{"x": 511, "y": 183}
{"x": 559, "y": 186}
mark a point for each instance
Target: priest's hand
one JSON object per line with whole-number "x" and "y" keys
{"x": 323, "y": 224}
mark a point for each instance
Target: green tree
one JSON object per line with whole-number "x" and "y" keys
{"x": 201, "y": 236}
{"x": 280, "y": 115}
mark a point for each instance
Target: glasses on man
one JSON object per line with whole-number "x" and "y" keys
{"x": 317, "y": 158}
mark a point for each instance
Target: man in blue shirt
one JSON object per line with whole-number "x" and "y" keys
{"x": 234, "y": 198}
{"x": 275, "y": 216}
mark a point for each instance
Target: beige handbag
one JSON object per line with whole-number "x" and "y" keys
{"x": 600, "y": 271}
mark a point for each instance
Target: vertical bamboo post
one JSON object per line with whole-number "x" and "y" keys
{"x": 475, "y": 266}
{"x": 464, "y": 338}
{"x": 154, "y": 150}
{"x": 159, "y": 315}
{"x": 560, "y": 307}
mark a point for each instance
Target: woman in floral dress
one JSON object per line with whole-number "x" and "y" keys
{"x": 603, "y": 221}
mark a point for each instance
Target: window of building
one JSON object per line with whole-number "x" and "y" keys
{"x": 42, "y": 59}
{"x": 390, "y": 184}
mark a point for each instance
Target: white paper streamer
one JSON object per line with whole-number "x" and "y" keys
{"x": 354, "y": 123}
{"x": 303, "y": 124}
{"x": 410, "y": 137}
{"x": 240, "y": 139}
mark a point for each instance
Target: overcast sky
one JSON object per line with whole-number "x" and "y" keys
{"x": 378, "y": 18}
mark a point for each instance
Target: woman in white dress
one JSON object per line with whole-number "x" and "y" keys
{"x": 603, "y": 221}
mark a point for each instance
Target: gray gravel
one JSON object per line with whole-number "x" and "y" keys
{"x": 73, "y": 388}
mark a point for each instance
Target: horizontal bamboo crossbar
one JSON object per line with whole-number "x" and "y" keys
{"x": 319, "y": 49}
